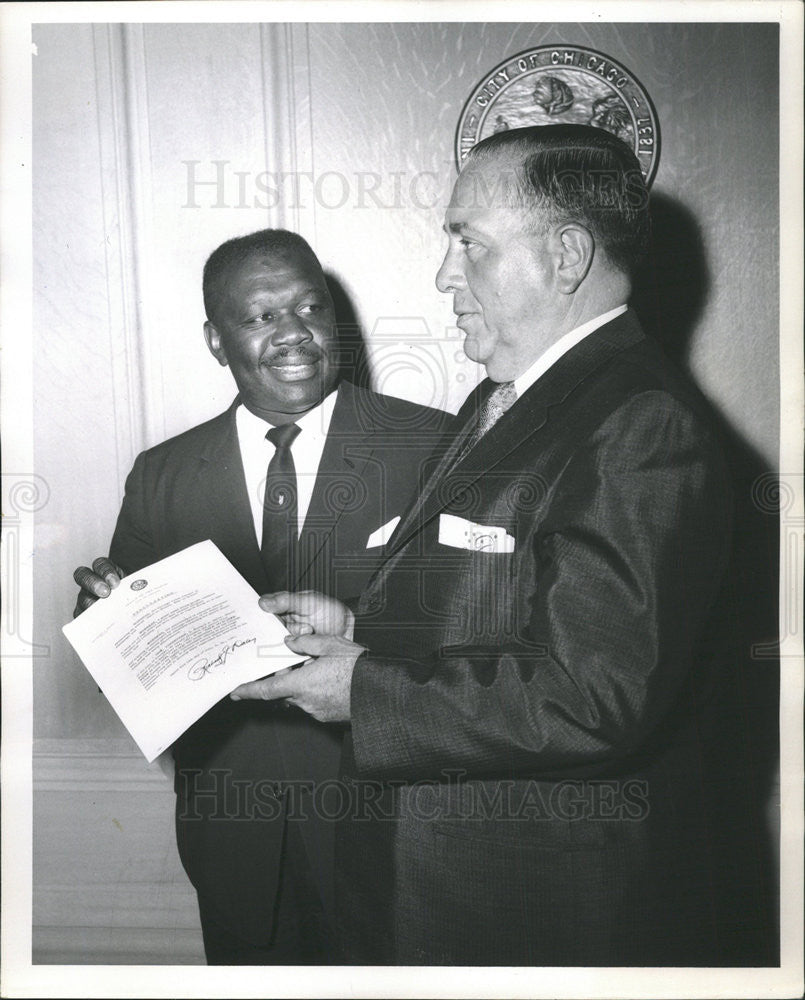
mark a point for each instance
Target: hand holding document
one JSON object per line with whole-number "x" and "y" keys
{"x": 173, "y": 639}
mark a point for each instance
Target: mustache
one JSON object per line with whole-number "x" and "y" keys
{"x": 301, "y": 354}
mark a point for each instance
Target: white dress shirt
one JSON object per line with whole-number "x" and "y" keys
{"x": 256, "y": 452}
{"x": 562, "y": 346}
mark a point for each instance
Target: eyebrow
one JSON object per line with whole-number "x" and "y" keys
{"x": 460, "y": 228}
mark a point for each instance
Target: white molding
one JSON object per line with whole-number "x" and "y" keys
{"x": 126, "y": 192}
{"x": 97, "y": 766}
{"x": 117, "y": 946}
{"x": 288, "y": 122}
{"x": 119, "y": 224}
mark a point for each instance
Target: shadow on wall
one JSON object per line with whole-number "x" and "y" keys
{"x": 351, "y": 341}
{"x": 671, "y": 291}
{"x": 669, "y": 297}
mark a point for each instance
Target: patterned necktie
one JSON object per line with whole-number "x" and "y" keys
{"x": 278, "y": 547}
{"x": 504, "y": 396}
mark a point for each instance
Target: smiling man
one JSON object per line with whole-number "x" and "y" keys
{"x": 294, "y": 483}
{"x": 528, "y": 695}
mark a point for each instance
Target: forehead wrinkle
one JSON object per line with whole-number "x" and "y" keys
{"x": 291, "y": 292}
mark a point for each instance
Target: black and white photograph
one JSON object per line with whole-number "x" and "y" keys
{"x": 402, "y": 537}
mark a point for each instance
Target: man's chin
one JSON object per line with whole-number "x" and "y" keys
{"x": 473, "y": 350}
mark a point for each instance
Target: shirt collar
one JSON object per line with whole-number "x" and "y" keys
{"x": 562, "y": 346}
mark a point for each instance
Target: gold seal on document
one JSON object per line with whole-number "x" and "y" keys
{"x": 555, "y": 84}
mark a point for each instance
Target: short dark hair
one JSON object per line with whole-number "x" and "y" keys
{"x": 229, "y": 255}
{"x": 579, "y": 173}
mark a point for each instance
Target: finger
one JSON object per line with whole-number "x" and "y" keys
{"x": 91, "y": 582}
{"x": 317, "y": 644}
{"x": 294, "y": 620}
{"x": 83, "y": 601}
{"x": 301, "y": 602}
{"x": 299, "y": 628}
{"x": 278, "y": 603}
{"x": 106, "y": 568}
{"x": 271, "y": 688}
{"x": 285, "y": 670}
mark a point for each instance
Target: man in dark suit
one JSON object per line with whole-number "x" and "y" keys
{"x": 526, "y": 688}
{"x": 254, "y": 835}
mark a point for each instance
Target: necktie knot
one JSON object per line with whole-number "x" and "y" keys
{"x": 283, "y": 436}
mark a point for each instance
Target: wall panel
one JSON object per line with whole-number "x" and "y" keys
{"x": 83, "y": 432}
{"x": 109, "y": 885}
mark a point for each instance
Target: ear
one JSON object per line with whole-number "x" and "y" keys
{"x": 576, "y": 250}
{"x": 215, "y": 344}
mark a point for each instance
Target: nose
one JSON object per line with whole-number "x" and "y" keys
{"x": 290, "y": 330}
{"x": 450, "y": 276}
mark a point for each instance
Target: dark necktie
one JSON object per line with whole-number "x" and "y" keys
{"x": 278, "y": 548}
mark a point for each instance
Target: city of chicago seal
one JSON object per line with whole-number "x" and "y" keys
{"x": 562, "y": 83}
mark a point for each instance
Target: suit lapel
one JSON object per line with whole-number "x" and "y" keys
{"x": 225, "y": 503}
{"x": 347, "y": 449}
{"x": 524, "y": 419}
{"x": 224, "y": 499}
{"x": 444, "y": 456}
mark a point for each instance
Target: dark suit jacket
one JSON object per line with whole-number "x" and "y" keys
{"x": 532, "y": 714}
{"x": 230, "y": 765}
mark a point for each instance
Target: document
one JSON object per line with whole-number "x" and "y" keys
{"x": 173, "y": 639}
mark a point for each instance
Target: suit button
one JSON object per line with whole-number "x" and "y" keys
{"x": 372, "y": 603}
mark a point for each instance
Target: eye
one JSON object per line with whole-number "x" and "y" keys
{"x": 312, "y": 308}
{"x": 260, "y": 318}
{"x": 466, "y": 243}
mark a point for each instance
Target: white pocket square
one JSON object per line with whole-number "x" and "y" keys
{"x": 383, "y": 534}
{"x": 461, "y": 534}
